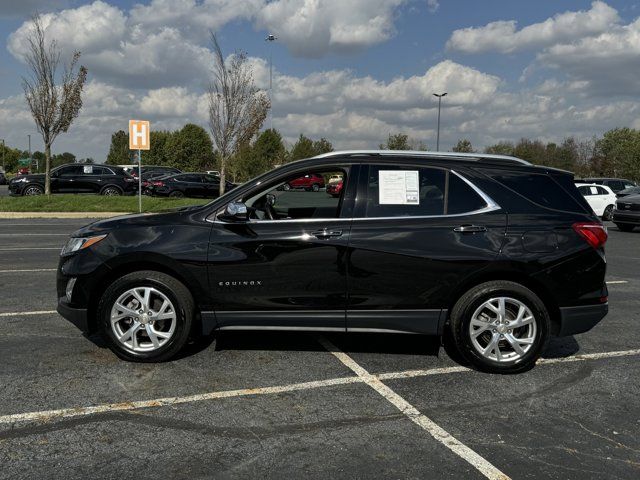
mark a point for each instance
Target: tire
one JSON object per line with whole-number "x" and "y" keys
{"x": 170, "y": 326}
{"x": 471, "y": 313}
{"x": 31, "y": 190}
{"x": 607, "y": 215}
{"x": 315, "y": 187}
{"x": 625, "y": 227}
{"x": 176, "y": 194}
{"x": 111, "y": 191}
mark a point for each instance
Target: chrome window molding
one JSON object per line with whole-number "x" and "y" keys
{"x": 491, "y": 206}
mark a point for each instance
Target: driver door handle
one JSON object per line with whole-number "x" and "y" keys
{"x": 470, "y": 228}
{"x": 326, "y": 233}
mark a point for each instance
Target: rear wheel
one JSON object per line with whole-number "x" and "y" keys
{"x": 176, "y": 194}
{"x": 625, "y": 227}
{"x": 146, "y": 316}
{"x": 315, "y": 187}
{"x": 111, "y": 191}
{"x": 33, "y": 190}
{"x": 608, "y": 213}
{"x": 500, "y": 327}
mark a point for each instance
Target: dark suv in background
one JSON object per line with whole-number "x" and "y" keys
{"x": 186, "y": 185}
{"x": 491, "y": 252}
{"x": 77, "y": 178}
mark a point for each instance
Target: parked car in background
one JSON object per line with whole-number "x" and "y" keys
{"x": 628, "y": 191}
{"x": 215, "y": 173}
{"x": 77, "y": 178}
{"x": 626, "y": 215}
{"x": 3, "y": 178}
{"x": 600, "y": 198}
{"x": 187, "y": 185}
{"x": 615, "y": 184}
{"x": 335, "y": 188}
{"x": 335, "y": 178}
{"x": 310, "y": 182}
{"x": 148, "y": 169}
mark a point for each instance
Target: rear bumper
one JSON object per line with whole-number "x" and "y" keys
{"x": 77, "y": 316}
{"x": 575, "y": 320}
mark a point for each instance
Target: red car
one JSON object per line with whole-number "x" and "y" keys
{"x": 335, "y": 189}
{"x": 23, "y": 171}
{"x": 313, "y": 182}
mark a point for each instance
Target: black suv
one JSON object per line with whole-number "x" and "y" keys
{"x": 615, "y": 184}
{"x": 491, "y": 252}
{"x": 77, "y": 178}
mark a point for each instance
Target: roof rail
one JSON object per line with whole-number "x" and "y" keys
{"x": 414, "y": 153}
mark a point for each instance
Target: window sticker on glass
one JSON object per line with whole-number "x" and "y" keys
{"x": 87, "y": 169}
{"x": 398, "y": 187}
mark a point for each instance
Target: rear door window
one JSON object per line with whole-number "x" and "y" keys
{"x": 401, "y": 191}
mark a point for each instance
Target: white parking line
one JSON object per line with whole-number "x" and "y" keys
{"x": 615, "y": 282}
{"x": 49, "y": 415}
{"x": 34, "y": 234}
{"x": 26, "y": 314}
{"x": 14, "y": 249}
{"x": 29, "y": 270}
{"x": 438, "y": 433}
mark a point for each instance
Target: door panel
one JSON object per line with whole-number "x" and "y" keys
{"x": 402, "y": 270}
{"x": 280, "y": 273}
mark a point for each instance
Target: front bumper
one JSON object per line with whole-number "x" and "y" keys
{"x": 77, "y": 316}
{"x": 626, "y": 216}
{"x": 574, "y": 320}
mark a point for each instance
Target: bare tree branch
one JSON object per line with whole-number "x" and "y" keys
{"x": 237, "y": 109}
{"x": 53, "y": 107}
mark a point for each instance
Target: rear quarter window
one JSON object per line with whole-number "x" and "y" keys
{"x": 557, "y": 192}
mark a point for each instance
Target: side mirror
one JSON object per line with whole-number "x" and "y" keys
{"x": 236, "y": 211}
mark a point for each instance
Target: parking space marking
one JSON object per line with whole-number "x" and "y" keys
{"x": 14, "y": 249}
{"x": 29, "y": 270}
{"x": 438, "y": 433}
{"x": 48, "y": 415}
{"x": 51, "y": 415}
{"x": 26, "y": 314}
{"x": 34, "y": 234}
{"x": 614, "y": 282}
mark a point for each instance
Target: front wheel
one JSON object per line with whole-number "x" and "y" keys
{"x": 111, "y": 191}
{"x": 176, "y": 194}
{"x": 146, "y": 316}
{"x": 500, "y": 327}
{"x": 32, "y": 190}
{"x": 315, "y": 187}
{"x": 607, "y": 215}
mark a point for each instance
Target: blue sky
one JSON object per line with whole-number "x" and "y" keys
{"x": 350, "y": 71}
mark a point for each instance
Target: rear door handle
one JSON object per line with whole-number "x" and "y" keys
{"x": 326, "y": 233}
{"x": 470, "y": 228}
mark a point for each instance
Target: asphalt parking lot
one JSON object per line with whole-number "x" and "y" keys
{"x": 293, "y": 405}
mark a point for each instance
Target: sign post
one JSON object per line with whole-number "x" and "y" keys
{"x": 139, "y": 140}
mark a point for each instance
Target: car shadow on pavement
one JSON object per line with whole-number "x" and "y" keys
{"x": 561, "y": 347}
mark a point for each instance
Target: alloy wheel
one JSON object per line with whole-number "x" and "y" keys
{"x": 30, "y": 191}
{"x": 143, "y": 319}
{"x": 503, "y": 329}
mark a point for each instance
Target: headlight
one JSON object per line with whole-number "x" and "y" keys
{"x": 78, "y": 243}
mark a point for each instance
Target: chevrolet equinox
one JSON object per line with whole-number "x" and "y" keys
{"x": 491, "y": 252}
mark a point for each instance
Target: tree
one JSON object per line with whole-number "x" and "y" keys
{"x": 265, "y": 153}
{"x": 119, "y": 153}
{"x": 322, "y": 146}
{"x": 188, "y": 149}
{"x": 500, "y": 148}
{"x": 303, "y": 148}
{"x": 62, "y": 158}
{"x": 53, "y": 106}
{"x": 237, "y": 109}
{"x": 463, "y": 146}
{"x": 400, "y": 141}
{"x": 618, "y": 153}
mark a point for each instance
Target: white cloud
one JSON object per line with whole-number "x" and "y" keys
{"x": 503, "y": 36}
{"x": 313, "y": 28}
{"x": 606, "y": 64}
{"x": 433, "y": 5}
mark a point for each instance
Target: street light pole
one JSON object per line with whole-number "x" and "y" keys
{"x": 271, "y": 38}
{"x": 30, "y": 159}
{"x": 4, "y": 169}
{"x": 439, "y": 106}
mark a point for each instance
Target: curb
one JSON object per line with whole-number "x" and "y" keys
{"x": 5, "y": 215}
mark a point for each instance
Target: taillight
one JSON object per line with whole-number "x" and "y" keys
{"x": 593, "y": 232}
